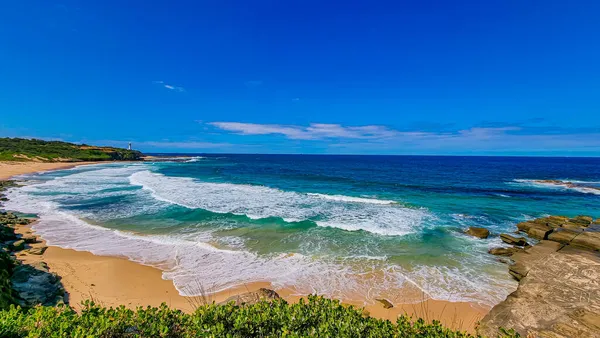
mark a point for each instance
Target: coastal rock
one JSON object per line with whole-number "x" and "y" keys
{"x": 478, "y": 232}
{"x": 557, "y": 297}
{"x": 583, "y": 220}
{"x": 252, "y": 297}
{"x": 34, "y": 284}
{"x": 508, "y": 239}
{"x": 29, "y": 238}
{"x": 386, "y": 303}
{"x": 504, "y": 251}
{"x": 37, "y": 251}
{"x": 533, "y": 256}
{"x": 589, "y": 240}
{"x": 7, "y": 234}
{"x": 18, "y": 245}
{"x": 572, "y": 226}
{"x": 597, "y": 221}
{"x": 563, "y": 236}
{"x": 539, "y": 231}
{"x": 524, "y": 226}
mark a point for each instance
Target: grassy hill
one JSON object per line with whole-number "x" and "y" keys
{"x": 18, "y": 149}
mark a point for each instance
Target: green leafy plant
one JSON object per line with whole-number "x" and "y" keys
{"x": 316, "y": 317}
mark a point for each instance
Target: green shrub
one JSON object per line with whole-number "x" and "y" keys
{"x": 6, "y": 293}
{"x": 319, "y": 317}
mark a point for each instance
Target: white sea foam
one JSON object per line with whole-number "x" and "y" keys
{"x": 256, "y": 202}
{"x": 195, "y": 159}
{"x": 351, "y": 199}
{"x": 579, "y": 185}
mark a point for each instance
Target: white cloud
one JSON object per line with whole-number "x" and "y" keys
{"x": 168, "y": 86}
{"x": 314, "y": 131}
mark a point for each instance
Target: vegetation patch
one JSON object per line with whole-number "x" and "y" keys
{"x": 18, "y": 149}
{"x": 318, "y": 317}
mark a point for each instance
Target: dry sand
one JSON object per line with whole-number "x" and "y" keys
{"x": 113, "y": 281}
{"x": 12, "y": 168}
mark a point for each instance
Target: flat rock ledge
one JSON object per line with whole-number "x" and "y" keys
{"x": 559, "y": 282}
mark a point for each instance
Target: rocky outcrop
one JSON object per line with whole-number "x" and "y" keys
{"x": 559, "y": 283}
{"x": 252, "y": 297}
{"x": 34, "y": 284}
{"x": 478, "y": 232}
{"x": 568, "y": 184}
{"x": 24, "y": 284}
{"x": 504, "y": 251}
{"x": 512, "y": 240}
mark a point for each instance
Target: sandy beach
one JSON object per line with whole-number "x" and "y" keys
{"x": 113, "y": 281}
{"x": 9, "y": 169}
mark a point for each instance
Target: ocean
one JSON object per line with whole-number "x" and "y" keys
{"x": 347, "y": 227}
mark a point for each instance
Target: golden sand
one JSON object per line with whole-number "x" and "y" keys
{"x": 10, "y": 168}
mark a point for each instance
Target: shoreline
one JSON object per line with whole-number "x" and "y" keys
{"x": 10, "y": 169}
{"x": 114, "y": 281}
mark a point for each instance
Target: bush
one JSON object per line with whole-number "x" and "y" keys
{"x": 319, "y": 317}
{"x": 6, "y": 268}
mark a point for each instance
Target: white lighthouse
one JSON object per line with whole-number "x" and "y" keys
{"x": 129, "y": 147}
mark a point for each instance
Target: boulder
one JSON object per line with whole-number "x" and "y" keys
{"x": 564, "y": 236}
{"x": 508, "y": 239}
{"x": 37, "y": 251}
{"x": 524, "y": 226}
{"x": 29, "y": 238}
{"x": 582, "y": 220}
{"x": 478, "y": 232}
{"x": 597, "y": 221}
{"x": 386, "y": 303}
{"x": 252, "y": 297}
{"x": 34, "y": 285}
{"x": 18, "y": 245}
{"x": 539, "y": 231}
{"x": 504, "y": 251}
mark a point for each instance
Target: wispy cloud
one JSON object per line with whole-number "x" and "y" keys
{"x": 515, "y": 138}
{"x": 169, "y": 86}
{"x": 314, "y": 131}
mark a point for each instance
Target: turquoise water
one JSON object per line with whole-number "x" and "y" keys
{"x": 357, "y": 227}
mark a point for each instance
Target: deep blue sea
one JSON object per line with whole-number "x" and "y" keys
{"x": 353, "y": 227}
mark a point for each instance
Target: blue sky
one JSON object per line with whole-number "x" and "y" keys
{"x": 398, "y": 77}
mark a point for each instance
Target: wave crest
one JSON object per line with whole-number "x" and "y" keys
{"x": 256, "y": 202}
